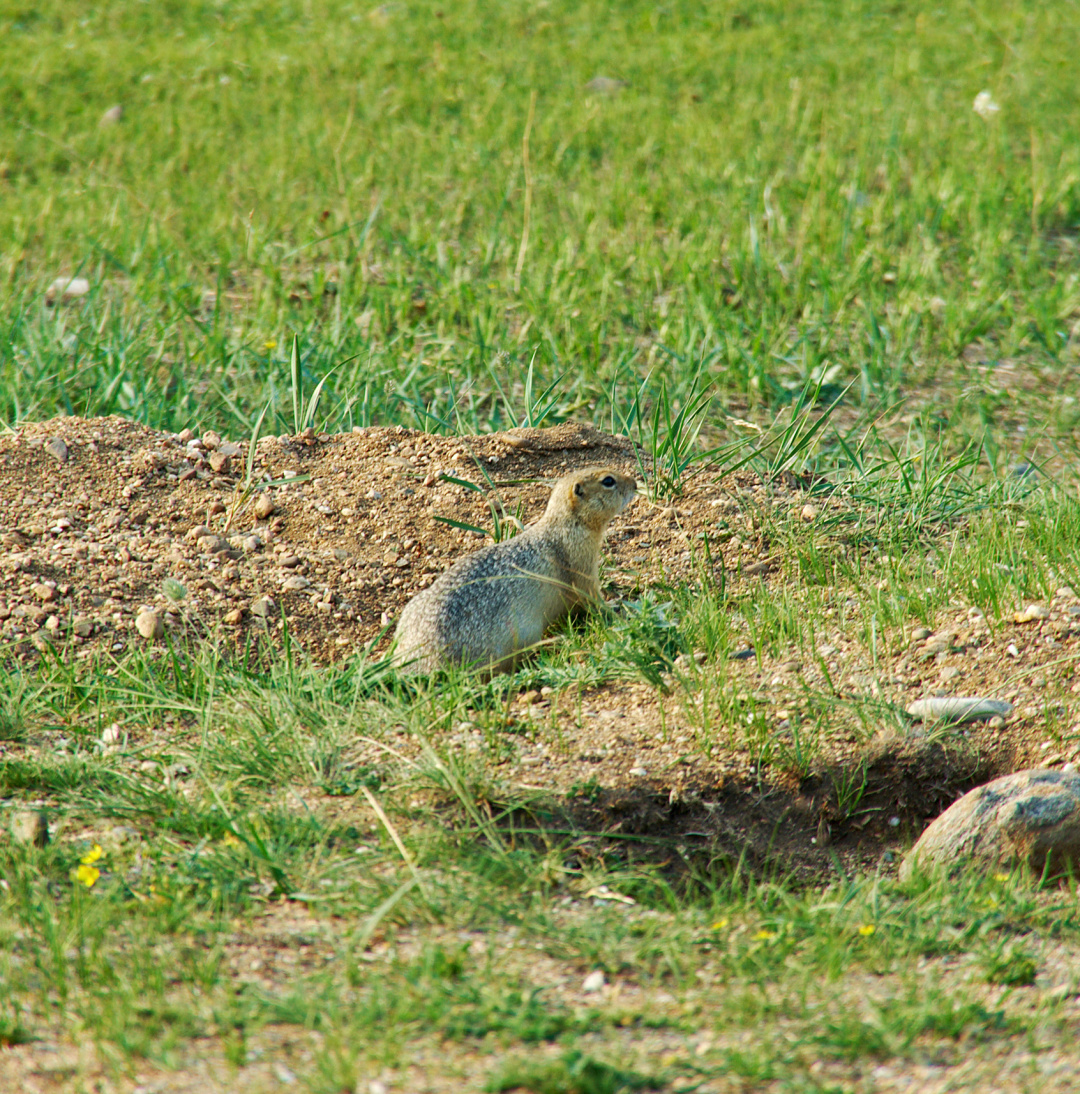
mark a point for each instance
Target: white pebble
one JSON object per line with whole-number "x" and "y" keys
{"x": 594, "y": 982}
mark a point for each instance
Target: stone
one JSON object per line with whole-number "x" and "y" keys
{"x": 1030, "y": 818}
{"x": 29, "y": 826}
{"x": 234, "y": 616}
{"x": 958, "y": 709}
{"x": 57, "y": 448}
{"x": 219, "y": 463}
{"x": 44, "y": 592}
{"x": 809, "y": 513}
{"x": 594, "y": 982}
{"x": 113, "y": 115}
{"x": 83, "y": 628}
{"x": 263, "y": 607}
{"x": 295, "y": 583}
{"x": 289, "y": 561}
{"x": 212, "y": 545}
{"x": 921, "y": 634}
{"x": 1032, "y": 614}
{"x": 150, "y": 625}
{"x": 210, "y": 439}
{"x": 606, "y": 85}
{"x": 264, "y": 506}
{"x": 67, "y": 288}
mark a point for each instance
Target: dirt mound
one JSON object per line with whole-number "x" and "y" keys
{"x": 99, "y": 513}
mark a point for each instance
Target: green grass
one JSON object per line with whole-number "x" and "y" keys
{"x": 780, "y": 193}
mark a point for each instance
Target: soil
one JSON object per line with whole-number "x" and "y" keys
{"x": 97, "y": 515}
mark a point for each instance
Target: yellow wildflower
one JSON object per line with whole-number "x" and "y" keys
{"x": 1001, "y": 877}
{"x": 867, "y": 929}
{"x": 92, "y": 855}
{"x": 270, "y": 345}
{"x": 719, "y": 925}
{"x": 764, "y": 935}
{"x": 87, "y": 874}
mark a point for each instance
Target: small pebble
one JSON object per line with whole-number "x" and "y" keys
{"x": 67, "y": 288}
{"x": 594, "y": 982}
{"x": 212, "y": 545}
{"x": 1032, "y": 613}
{"x": 42, "y": 591}
{"x": 264, "y": 506}
{"x": 921, "y": 634}
{"x": 809, "y": 513}
{"x": 57, "y": 449}
{"x": 263, "y": 607}
{"x": 149, "y": 624}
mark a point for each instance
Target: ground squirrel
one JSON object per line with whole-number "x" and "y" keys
{"x": 500, "y": 600}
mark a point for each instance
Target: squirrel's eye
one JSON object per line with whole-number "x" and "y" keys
{"x": 608, "y": 481}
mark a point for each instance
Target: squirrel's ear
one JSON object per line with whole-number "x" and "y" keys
{"x": 579, "y": 490}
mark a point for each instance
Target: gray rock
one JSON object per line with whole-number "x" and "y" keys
{"x": 959, "y": 709}
{"x": 57, "y": 448}
{"x": 263, "y": 607}
{"x": 1030, "y": 818}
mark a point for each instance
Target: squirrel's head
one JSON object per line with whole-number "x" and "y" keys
{"x": 593, "y": 495}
